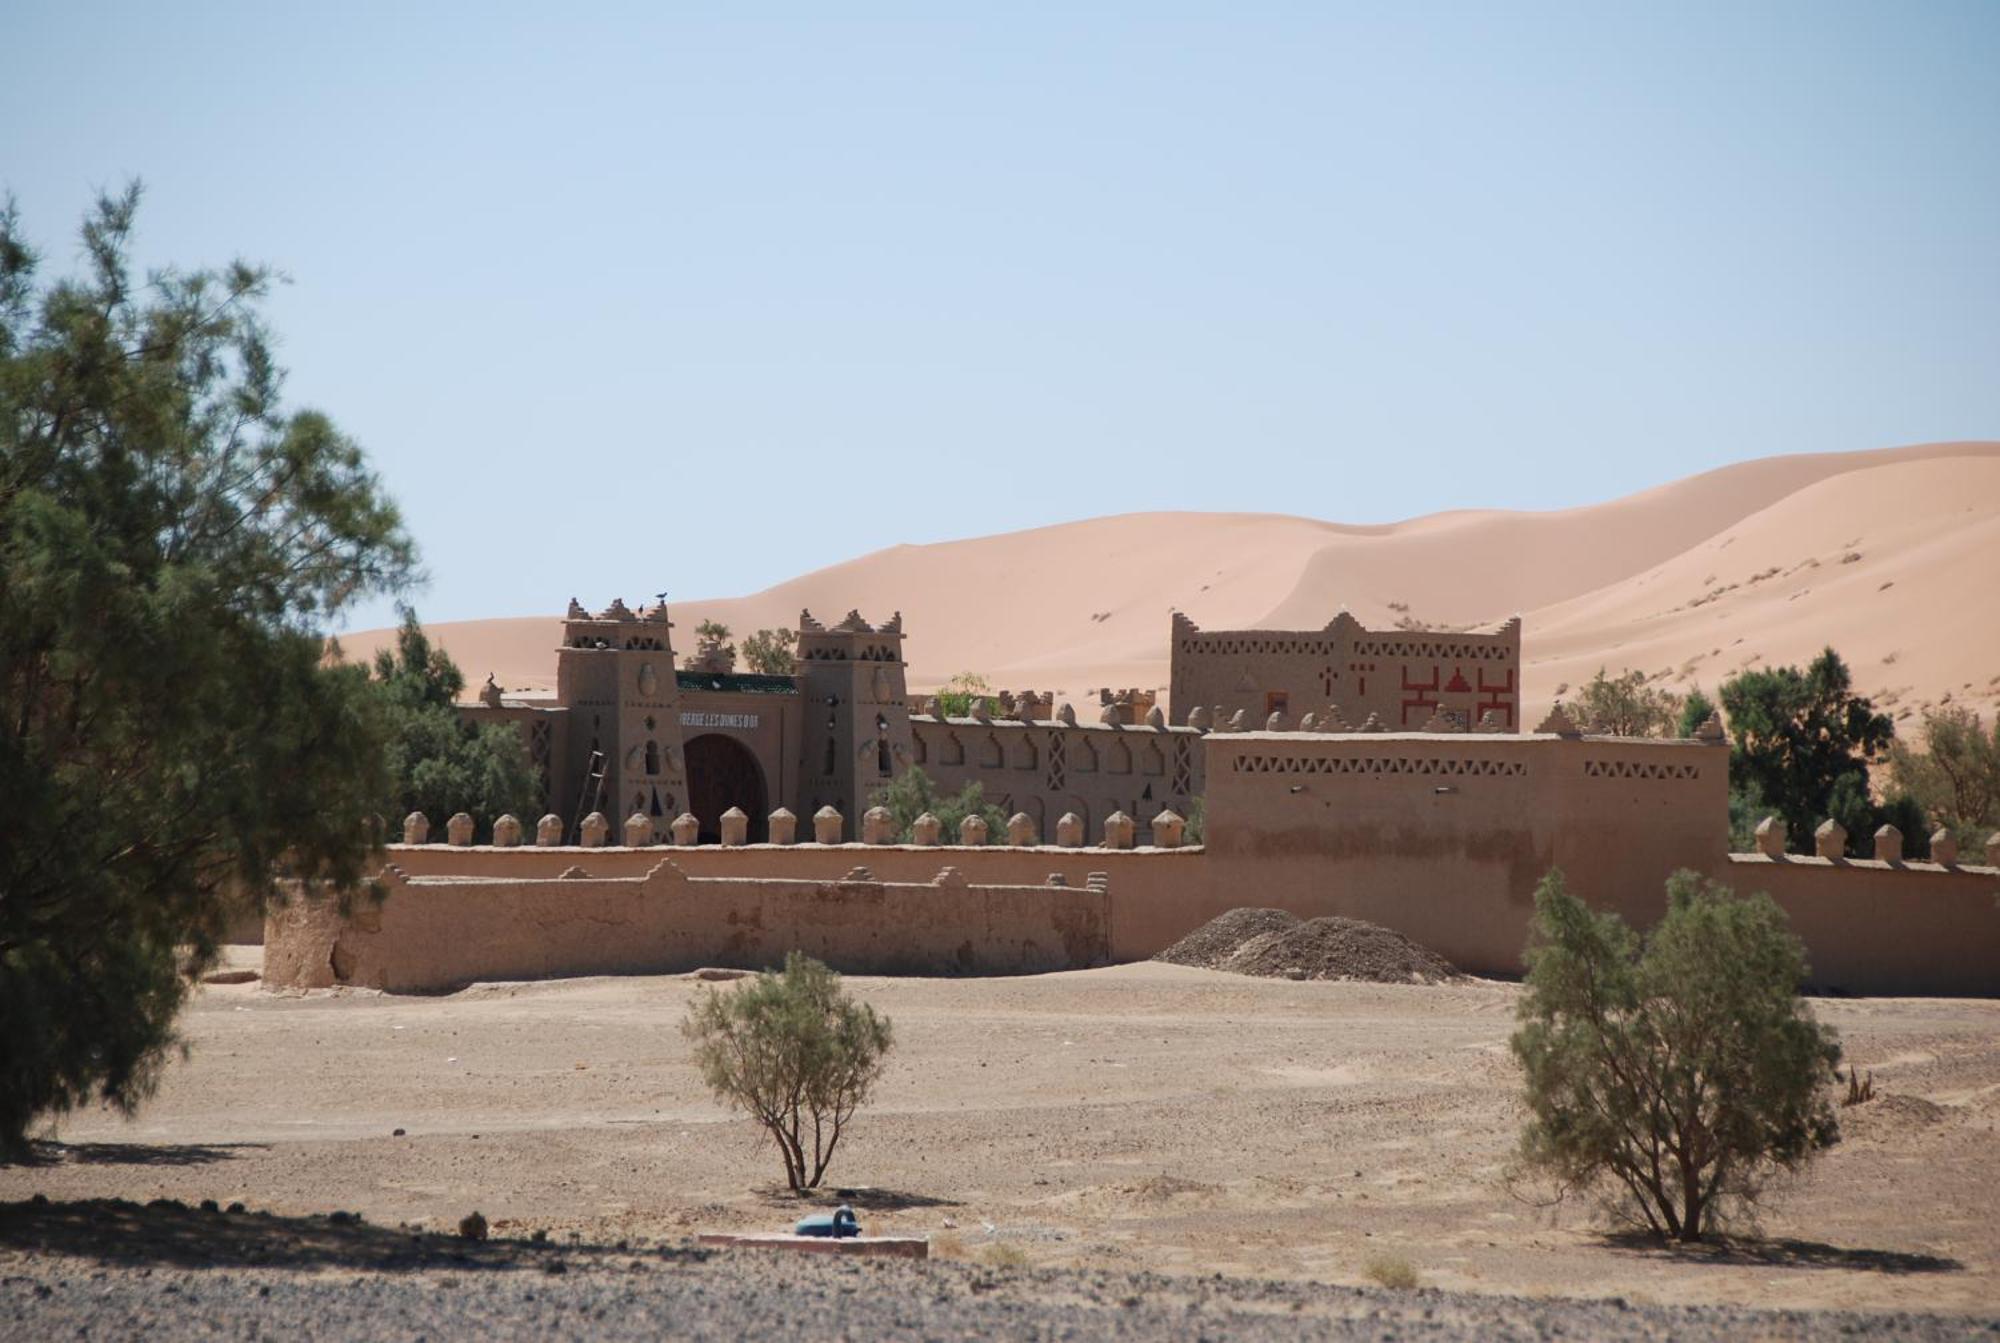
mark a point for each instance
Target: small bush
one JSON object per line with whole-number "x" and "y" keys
{"x": 1394, "y": 1272}
{"x": 794, "y": 1052}
{"x": 1004, "y": 1256}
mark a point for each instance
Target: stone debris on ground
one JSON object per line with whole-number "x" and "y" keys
{"x": 1275, "y": 944}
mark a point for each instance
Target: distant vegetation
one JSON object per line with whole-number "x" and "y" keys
{"x": 439, "y": 762}
{"x": 912, "y": 793}
{"x": 958, "y": 697}
{"x": 1802, "y": 745}
{"x": 769, "y": 652}
{"x": 1953, "y": 775}
{"x": 1626, "y": 706}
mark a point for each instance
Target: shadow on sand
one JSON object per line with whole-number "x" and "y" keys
{"x": 136, "y": 1153}
{"x": 860, "y": 1199}
{"x": 1781, "y": 1253}
{"x": 167, "y": 1232}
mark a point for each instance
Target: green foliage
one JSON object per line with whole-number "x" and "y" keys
{"x": 957, "y": 697}
{"x": 1803, "y": 741}
{"x": 1624, "y": 706}
{"x": 1197, "y": 821}
{"x": 1676, "y": 1074}
{"x": 712, "y": 646}
{"x": 1746, "y": 812}
{"x": 172, "y": 741}
{"x": 439, "y": 762}
{"x": 796, "y": 1053}
{"x": 769, "y": 652}
{"x": 1695, "y": 710}
{"x": 912, "y": 793}
{"x": 1953, "y": 779}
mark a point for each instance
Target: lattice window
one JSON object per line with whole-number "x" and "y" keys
{"x": 1633, "y": 769}
{"x": 1430, "y": 766}
{"x": 1183, "y": 766}
{"x": 1058, "y": 766}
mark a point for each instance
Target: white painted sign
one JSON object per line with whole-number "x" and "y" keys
{"x": 691, "y": 719}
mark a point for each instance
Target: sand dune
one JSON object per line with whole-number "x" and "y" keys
{"x": 1693, "y": 579}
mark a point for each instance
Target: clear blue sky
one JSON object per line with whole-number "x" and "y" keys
{"x": 701, "y": 297}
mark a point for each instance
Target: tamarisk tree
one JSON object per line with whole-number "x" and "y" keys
{"x": 1678, "y": 1072}
{"x": 796, "y": 1053}
{"x": 173, "y": 544}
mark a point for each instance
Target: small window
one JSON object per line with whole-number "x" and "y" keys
{"x": 882, "y": 745}
{"x": 1277, "y": 701}
{"x": 652, "y": 757}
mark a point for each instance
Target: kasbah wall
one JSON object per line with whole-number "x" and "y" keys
{"x": 1441, "y": 834}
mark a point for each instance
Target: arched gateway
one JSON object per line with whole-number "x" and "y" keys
{"x": 724, "y": 773}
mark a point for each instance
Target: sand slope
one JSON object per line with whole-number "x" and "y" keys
{"x": 1677, "y": 579}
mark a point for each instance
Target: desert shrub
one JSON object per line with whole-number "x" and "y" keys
{"x": 1952, "y": 773}
{"x": 1624, "y": 706}
{"x": 1676, "y": 1072}
{"x": 769, "y": 652}
{"x": 1394, "y": 1272}
{"x": 796, "y": 1053}
{"x": 913, "y": 792}
{"x": 1002, "y": 1255}
{"x": 958, "y": 697}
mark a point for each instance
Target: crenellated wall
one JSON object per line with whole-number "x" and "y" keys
{"x": 432, "y": 934}
{"x": 1045, "y": 769}
{"x": 1400, "y": 677}
{"x": 1443, "y": 836}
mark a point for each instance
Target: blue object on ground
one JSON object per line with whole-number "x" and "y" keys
{"x": 838, "y": 1224}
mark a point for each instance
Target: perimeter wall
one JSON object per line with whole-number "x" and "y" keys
{"x": 1441, "y": 836}
{"x": 429, "y": 934}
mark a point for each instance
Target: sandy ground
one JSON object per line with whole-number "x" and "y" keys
{"x": 1140, "y": 1118}
{"x": 1888, "y": 556}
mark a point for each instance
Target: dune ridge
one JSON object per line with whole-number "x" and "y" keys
{"x": 1888, "y": 555}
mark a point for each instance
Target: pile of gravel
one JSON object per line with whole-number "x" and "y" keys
{"x": 1209, "y": 946}
{"x": 1273, "y": 944}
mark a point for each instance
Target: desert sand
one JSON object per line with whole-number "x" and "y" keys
{"x": 1889, "y": 556}
{"x": 1144, "y": 1118}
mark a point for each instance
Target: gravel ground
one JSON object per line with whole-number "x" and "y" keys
{"x": 688, "y": 1293}
{"x": 113, "y": 1269}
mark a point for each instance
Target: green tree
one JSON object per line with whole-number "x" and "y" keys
{"x": 173, "y": 543}
{"x": 1623, "y": 706}
{"x": 769, "y": 652}
{"x": 1678, "y": 1072}
{"x": 1696, "y": 709}
{"x": 796, "y": 1053}
{"x": 913, "y": 792}
{"x": 957, "y": 697}
{"x": 440, "y": 763}
{"x": 1802, "y": 743}
{"x": 1954, "y": 776}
